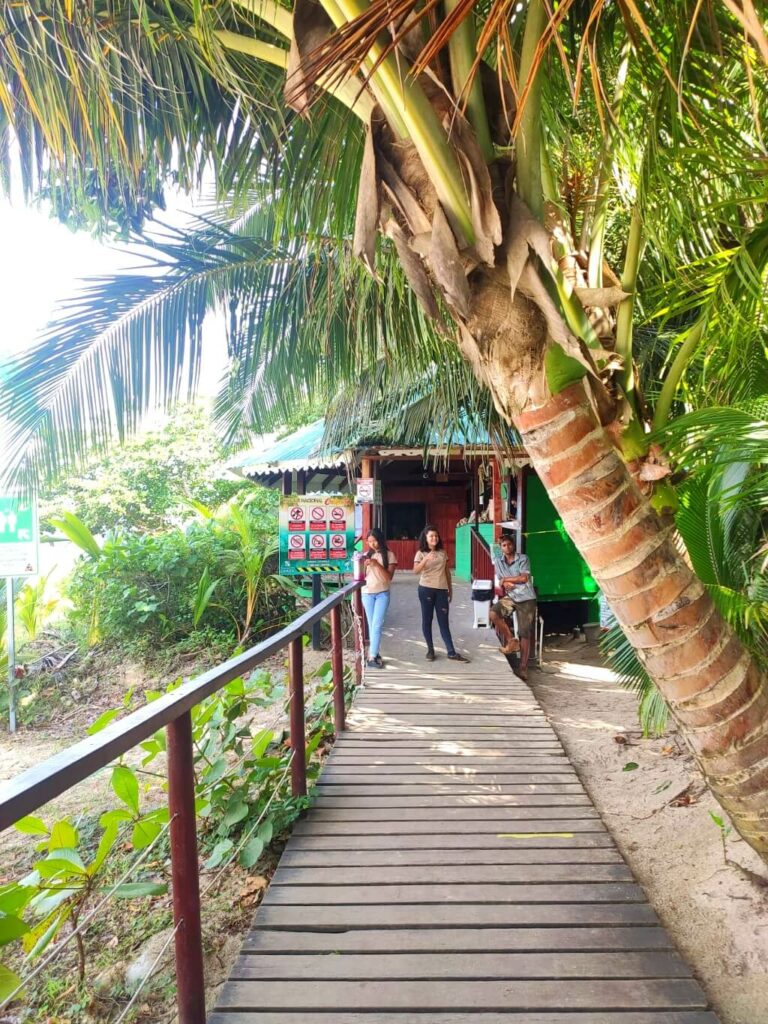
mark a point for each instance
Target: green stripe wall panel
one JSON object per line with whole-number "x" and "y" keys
{"x": 559, "y": 571}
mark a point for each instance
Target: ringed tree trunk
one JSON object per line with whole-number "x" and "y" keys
{"x": 508, "y": 326}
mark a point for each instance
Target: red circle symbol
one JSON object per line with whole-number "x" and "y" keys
{"x": 296, "y": 513}
{"x": 318, "y": 541}
{"x": 338, "y": 541}
{"x": 337, "y": 513}
{"x": 318, "y": 513}
{"x": 296, "y": 541}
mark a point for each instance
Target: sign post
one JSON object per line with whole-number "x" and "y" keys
{"x": 18, "y": 557}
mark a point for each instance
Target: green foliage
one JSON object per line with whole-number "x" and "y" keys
{"x": 147, "y": 483}
{"x": 148, "y": 590}
{"x": 242, "y": 799}
{"x": 622, "y": 658}
{"x": 33, "y": 608}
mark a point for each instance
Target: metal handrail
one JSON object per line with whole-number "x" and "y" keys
{"x": 34, "y": 788}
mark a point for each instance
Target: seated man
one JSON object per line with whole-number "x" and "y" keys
{"x": 514, "y": 575}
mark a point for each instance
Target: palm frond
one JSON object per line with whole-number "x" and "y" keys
{"x": 622, "y": 658}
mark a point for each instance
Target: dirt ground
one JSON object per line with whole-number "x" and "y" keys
{"x": 659, "y": 815}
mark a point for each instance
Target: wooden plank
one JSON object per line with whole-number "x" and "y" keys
{"x": 505, "y": 874}
{"x": 514, "y": 784}
{"x": 474, "y": 940}
{"x": 443, "y": 841}
{"x": 468, "y": 996}
{"x": 436, "y": 785}
{"x": 488, "y": 800}
{"x": 312, "y": 857}
{"x": 402, "y": 763}
{"x": 439, "y": 748}
{"x": 499, "y": 815}
{"x": 469, "y": 892}
{"x": 426, "y": 966}
{"x": 541, "y": 827}
{"x": 382, "y": 1017}
{"x": 456, "y": 915}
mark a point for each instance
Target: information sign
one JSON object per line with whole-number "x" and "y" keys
{"x": 18, "y": 537}
{"x": 317, "y": 534}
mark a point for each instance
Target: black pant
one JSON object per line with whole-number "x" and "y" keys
{"x": 432, "y": 601}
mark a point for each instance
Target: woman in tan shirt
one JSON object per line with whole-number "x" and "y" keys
{"x": 435, "y": 590}
{"x": 380, "y": 565}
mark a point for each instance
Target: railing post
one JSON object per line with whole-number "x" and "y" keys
{"x": 190, "y": 985}
{"x": 338, "y": 670}
{"x": 357, "y": 609}
{"x": 298, "y": 739}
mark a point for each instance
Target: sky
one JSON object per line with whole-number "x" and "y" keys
{"x": 42, "y": 263}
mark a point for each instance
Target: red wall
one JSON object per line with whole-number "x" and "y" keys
{"x": 446, "y": 505}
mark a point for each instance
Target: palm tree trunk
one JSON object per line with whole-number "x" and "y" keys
{"x": 716, "y": 692}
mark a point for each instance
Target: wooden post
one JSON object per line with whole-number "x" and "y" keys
{"x": 190, "y": 984}
{"x": 338, "y": 671}
{"x": 317, "y": 596}
{"x": 298, "y": 738}
{"x": 366, "y": 471}
{"x": 287, "y": 483}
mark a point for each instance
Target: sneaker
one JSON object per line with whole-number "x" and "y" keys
{"x": 511, "y": 648}
{"x": 371, "y": 663}
{"x": 458, "y": 657}
{"x": 379, "y": 662}
{"x": 430, "y": 655}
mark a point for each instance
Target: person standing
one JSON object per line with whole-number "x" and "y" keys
{"x": 380, "y": 565}
{"x": 435, "y": 590}
{"x": 513, "y": 572}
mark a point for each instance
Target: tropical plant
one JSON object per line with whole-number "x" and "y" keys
{"x": 539, "y": 176}
{"x": 147, "y": 483}
{"x": 33, "y": 607}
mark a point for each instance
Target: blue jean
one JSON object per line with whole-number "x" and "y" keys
{"x": 375, "y": 611}
{"x": 435, "y": 602}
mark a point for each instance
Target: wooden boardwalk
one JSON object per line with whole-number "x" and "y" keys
{"x": 453, "y": 870}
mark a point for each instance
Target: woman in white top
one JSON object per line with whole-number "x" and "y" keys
{"x": 435, "y": 590}
{"x": 380, "y": 565}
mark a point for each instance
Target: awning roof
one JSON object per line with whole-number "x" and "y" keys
{"x": 300, "y": 450}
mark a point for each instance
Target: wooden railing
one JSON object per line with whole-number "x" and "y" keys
{"x": 35, "y": 787}
{"x": 482, "y": 563}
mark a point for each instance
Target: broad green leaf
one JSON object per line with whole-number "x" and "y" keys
{"x": 134, "y": 890}
{"x": 265, "y": 831}
{"x": 9, "y": 982}
{"x": 126, "y": 786}
{"x": 116, "y": 817}
{"x": 31, "y": 826}
{"x": 251, "y": 852}
{"x": 220, "y": 852}
{"x": 49, "y": 900}
{"x": 237, "y": 809}
{"x": 630, "y": 766}
{"x": 66, "y": 863}
{"x": 11, "y": 928}
{"x": 261, "y": 742}
{"x": 37, "y": 940}
{"x": 216, "y": 771}
{"x": 78, "y": 533}
{"x": 104, "y": 848}
{"x": 561, "y": 369}
{"x": 14, "y": 897}
{"x": 63, "y": 836}
{"x": 144, "y": 833}
{"x": 103, "y": 721}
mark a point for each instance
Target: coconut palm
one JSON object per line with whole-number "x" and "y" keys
{"x": 541, "y": 176}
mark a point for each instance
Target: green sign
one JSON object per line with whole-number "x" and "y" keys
{"x": 18, "y": 537}
{"x": 317, "y": 534}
